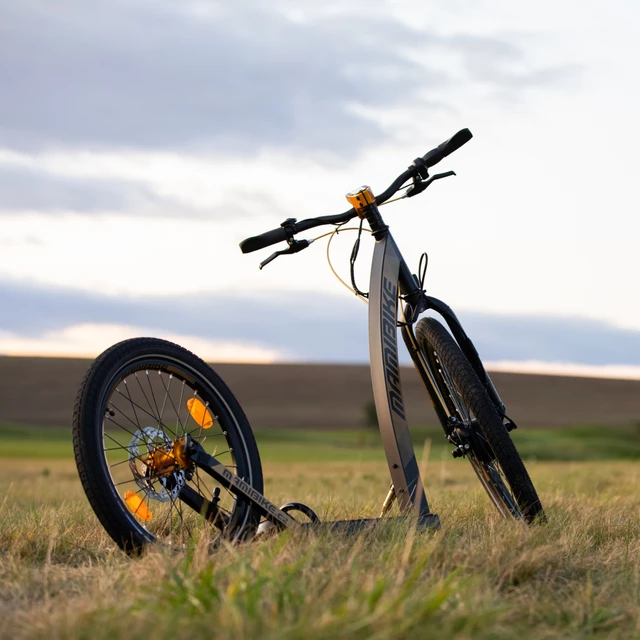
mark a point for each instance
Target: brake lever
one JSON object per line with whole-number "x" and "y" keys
{"x": 294, "y": 247}
{"x": 419, "y": 187}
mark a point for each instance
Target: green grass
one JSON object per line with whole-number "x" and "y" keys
{"x": 479, "y": 577}
{"x": 20, "y": 441}
{"x": 566, "y": 443}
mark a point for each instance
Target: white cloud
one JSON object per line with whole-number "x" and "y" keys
{"x": 541, "y": 220}
{"x": 613, "y": 371}
{"x": 88, "y": 340}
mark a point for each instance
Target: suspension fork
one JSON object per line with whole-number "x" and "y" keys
{"x": 468, "y": 348}
{"x": 416, "y": 302}
{"x": 427, "y": 377}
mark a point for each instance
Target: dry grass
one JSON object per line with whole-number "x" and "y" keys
{"x": 479, "y": 576}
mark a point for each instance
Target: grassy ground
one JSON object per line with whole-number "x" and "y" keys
{"x": 478, "y": 577}
{"x": 364, "y": 445}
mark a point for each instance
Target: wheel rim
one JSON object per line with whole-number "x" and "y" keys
{"x": 147, "y": 409}
{"x": 490, "y": 474}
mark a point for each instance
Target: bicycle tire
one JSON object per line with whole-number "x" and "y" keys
{"x": 101, "y": 405}
{"x": 465, "y": 396}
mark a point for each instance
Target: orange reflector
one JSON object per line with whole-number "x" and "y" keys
{"x": 137, "y": 505}
{"x": 199, "y": 413}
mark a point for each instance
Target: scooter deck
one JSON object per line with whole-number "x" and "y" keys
{"x": 280, "y": 519}
{"x": 430, "y": 521}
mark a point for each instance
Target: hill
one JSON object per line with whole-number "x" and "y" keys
{"x": 41, "y": 391}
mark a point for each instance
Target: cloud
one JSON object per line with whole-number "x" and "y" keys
{"x": 30, "y": 189}
{"x": 21, "y": 240}
{"x": 139, "y": 74}
{"x": 304, "y": 326}
{"x": 235, "y": 77}
{"x": 502, "y": 65}
{"x": 85, "y": 340}
{"x": 552, "y": 339}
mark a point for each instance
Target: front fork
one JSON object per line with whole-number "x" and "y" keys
{"x": 465, "y": 344}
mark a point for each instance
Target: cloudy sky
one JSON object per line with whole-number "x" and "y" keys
{"x": 141, "y": 141}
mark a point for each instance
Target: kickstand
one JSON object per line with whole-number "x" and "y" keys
{"x": 388, "y": 501}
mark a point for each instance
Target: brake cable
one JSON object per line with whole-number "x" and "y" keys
{"x": 332, "y": 235}
{"x": 418, "y": 186}
{"x": 422, "y": 269}
{"x": 352, "y": 264}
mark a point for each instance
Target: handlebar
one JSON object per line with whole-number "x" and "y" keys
{"x": 448, "y": 147}
{"x": 263, "y": 240}
{"x": 418, "y": 169}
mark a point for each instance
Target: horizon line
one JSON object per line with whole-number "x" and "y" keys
{"x": 526, "y": 367}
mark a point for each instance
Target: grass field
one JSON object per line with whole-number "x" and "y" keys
{"x": 364, "y": 445}
{"x": 478, "y": 577}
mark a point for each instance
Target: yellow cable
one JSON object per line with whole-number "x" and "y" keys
{"x": 331, "y": 235}
{"x": 335, "y": 232}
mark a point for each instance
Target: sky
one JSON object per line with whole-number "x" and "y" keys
{"x": 141, "y": 141}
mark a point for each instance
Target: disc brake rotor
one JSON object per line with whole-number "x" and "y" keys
{"x": 155, "y": 469}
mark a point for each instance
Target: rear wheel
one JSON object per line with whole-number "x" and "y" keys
{"x": 135, "y": 408}
{"x": 476, "y": 426}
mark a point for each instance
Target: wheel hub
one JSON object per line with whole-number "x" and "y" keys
{"x": 159, "y": 468}
{"x": 163, "y": 461}
{"x": 468, "y": 438}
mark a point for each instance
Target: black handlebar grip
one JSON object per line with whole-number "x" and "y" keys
{"x": 263, "y": 240}
{"x": 443, "y": 150}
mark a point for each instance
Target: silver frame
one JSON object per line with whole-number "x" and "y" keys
{"x": 385, "y": 377}
{"x": 407, "y": 488}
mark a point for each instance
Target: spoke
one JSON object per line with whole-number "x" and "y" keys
{"x": 185, "y": 431}
{"x": 120, "y": 448}
{"x": 167, "y": 517}
{"x": 199, "y": 427}
{"x": 115, "y": 464}
{"x": 164, "y": 426}
{"x": 138, "y": 491}
{"x": 126, "y": 416}
{"x": 117, "y": 484}
{"x": 206, "y": 493}
{"x": 131, "y": 454}
{"x": 166, "y": 394}
{"x": 230, "y": 493}
{"x": 144, "y": 437}
{"x": 184, "y": 524}
{"x": 135, "y": 375}
{"x": 206, "y": 435}
{"x": 148, "y": 504}
{"x": 112, "y": 438}
{"x": 171, "y": 401}
{"x": 490, "y": 475}
{"x": 126, "y": 386}
{"x": 153, "y": 395}
{"x": 174, "y": 522}
{"x": 196, "y": 481}
{"x": 506, "y": 494}
{"x": 178, "y": 423}
{"x": 200, "y": 431}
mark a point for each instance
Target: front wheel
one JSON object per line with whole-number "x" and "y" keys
{"x": 476, "y": 425}
{"x": 138, "y": 404}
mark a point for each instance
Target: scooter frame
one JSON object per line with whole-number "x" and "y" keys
{"x": 390, "y": 282}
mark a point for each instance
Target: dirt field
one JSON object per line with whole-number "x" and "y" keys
{"x": 41, "y": 391}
